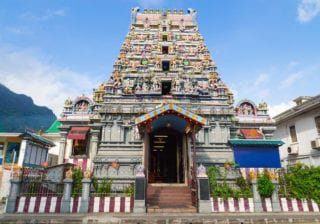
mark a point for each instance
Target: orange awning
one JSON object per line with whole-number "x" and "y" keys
{"x": 79, "y": 133}
{"x": 251, "y": 133}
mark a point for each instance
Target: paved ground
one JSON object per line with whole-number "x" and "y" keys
{"x": 222, "y": 218}
{"x": 163, "y": 218}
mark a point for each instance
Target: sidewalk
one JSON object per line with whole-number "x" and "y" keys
{"x": 214, "y": 218}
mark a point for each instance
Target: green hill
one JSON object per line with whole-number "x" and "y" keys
{"x": 18, "y": 112}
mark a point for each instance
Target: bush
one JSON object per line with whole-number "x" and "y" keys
{"x": 77, "y": 182}
{"x": 129, "y": 190}
{"x": 224, "y": 190}
{"x": 302, "y": 182}
{"x": 265, "y": 185}
{"x": 105, "y": 186}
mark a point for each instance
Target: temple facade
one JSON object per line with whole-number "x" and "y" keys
{"x": 164, "y": 107}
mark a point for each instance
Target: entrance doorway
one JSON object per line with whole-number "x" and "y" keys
{"x": 166, "y": 157}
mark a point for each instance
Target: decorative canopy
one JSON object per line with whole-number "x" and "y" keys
{"x": 78, "y": 133}
{"x": 171, "y": 115}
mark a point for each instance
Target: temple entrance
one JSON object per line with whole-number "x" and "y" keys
{"x": 166, "y": 156}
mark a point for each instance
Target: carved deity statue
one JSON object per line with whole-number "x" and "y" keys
{"x": 134, "y": 12}
{"x": 193, "y": 14}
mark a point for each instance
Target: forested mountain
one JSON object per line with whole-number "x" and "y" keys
{"x": 18, "y": 112}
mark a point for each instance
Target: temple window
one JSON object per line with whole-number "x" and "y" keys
{"x": 79, "y": 135}
{"x": 79, "y": 147}
{"x": 166, "y": 87}
{"x": 165, "y": 37}
{"x": 165, "y": 66}
{"x": 164, "y": 29}
{"x": 165, "y": 50}
{"x": 293, "y": 134}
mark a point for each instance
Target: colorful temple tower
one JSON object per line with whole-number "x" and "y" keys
{"x": 164, "y": 106}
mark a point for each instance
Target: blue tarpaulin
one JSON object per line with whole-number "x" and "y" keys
{"x": 257, "y": 157}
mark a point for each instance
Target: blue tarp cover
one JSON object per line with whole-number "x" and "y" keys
{"x": 257, "y": 157}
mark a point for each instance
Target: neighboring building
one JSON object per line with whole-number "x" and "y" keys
{"x": 21, "y": 150}
{"x": 164, "y": 106}
{"x": 299, "y": 128}
{"x": 8, "y": 143}
{"x": 53, "y": 134}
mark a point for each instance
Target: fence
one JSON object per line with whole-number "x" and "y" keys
{"x": 35, "y": 193}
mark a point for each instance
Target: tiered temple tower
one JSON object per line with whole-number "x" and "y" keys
{"x": 164, "y": 88}
{"x": 164, "y": 106}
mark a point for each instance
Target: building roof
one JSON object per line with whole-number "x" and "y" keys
{"x": 255, "y": 142}
{"x": 302, "y": 107}
{"x": 54, "y": 127}
{"x": 37, "y": 138}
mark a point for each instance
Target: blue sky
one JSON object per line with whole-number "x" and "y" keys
{"x": 264, "y": 49}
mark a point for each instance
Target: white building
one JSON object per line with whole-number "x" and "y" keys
{"x": 299, "y": 128}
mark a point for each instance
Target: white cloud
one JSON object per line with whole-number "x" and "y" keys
{"x": 25, "y": 72}
{"x": 253, "y": 89}
{"x": 291, "y": 79}
{"x": 18, "y": 30}
{"x": 261, "y": 80}
{"x": 49, "y": 14}
{"x": 279, "y": 108}
{"x": 308, "y": 9}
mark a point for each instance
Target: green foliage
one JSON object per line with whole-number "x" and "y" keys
{"x": 265, "y": 185}
{"x": 224, "y": 190}
{"x": 77, "y": 182}
{"x": 129, "y": 190}
{"x": 34, "y": 186}
{"x": 105, "y": 186}
{"x": 244, "y": 186}
{"x": 94, "y": 182}
{"x": 302, "y": 182}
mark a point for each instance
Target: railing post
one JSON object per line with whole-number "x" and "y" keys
{"x": 256, "y": 196}
{"x": 140, "y": 191}
{"x": 13, "y": 195}
{"x": 84, "y": 204}
{"x": 203, "y": 191}
{"x": 275, "y": 197}
{"x": 66, "y": 198}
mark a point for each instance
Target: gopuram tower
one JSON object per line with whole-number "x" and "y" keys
{"x": 164, "y": 107}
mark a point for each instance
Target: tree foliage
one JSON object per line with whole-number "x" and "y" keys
{"x": 301, "y": 182}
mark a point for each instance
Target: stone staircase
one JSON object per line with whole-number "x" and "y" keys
{"x": 169, "y": 199}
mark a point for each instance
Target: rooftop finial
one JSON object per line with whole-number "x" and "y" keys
{"x": 157, "y": 12}
{"x": 181, "y": 12}
{"x": 175, "y": 12}
{"x": 169, "y": 11}
{"x": 145, "y": 11}
{"x": 151, "y": 11}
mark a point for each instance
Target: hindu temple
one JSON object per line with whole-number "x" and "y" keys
{"x": 164, "y": 107}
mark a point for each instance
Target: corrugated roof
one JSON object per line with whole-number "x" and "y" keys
{"x": 36, "y": 138}
{"x": 255, "y": 142}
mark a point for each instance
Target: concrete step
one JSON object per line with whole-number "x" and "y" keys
{"x": 172, "y": 209}
{"x": 169, "y": 199}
